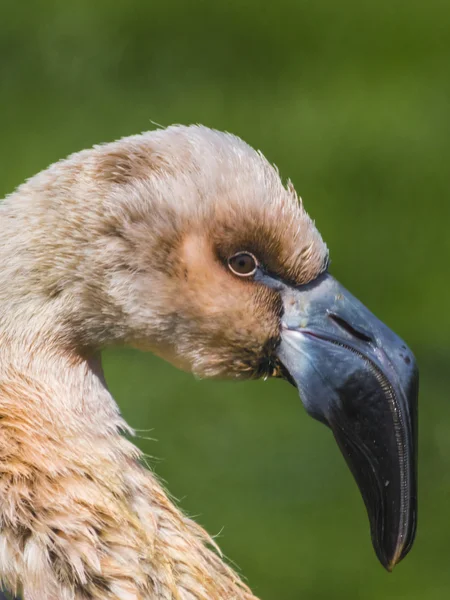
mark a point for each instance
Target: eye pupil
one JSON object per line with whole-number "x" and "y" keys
{"x": 243, "y": 264}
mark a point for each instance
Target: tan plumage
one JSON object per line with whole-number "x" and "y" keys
{"x": 127, "y": 244}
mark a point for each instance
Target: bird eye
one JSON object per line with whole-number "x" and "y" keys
{"x": 243, "y": 264}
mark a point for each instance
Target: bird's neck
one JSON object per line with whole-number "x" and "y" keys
{"x": 38, "y": 373}
{"x": 80, "y": 516}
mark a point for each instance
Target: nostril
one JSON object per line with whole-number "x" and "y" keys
{"x": 357, "y": 333}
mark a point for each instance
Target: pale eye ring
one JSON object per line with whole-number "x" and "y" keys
{"x": 243, "y": 264}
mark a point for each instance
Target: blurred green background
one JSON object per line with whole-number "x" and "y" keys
{"x": 351, "y": 100}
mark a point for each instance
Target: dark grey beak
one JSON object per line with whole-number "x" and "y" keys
{"x": 356, "y": 376}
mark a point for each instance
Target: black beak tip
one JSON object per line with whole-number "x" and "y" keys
{"x": 391, "y": 555}
{"x": 390, "y": 567}
{"x": 389, "y": 562}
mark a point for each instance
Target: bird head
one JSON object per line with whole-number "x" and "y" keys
{"x": 185, "y": 242}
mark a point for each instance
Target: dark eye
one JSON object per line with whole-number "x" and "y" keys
{"x": 243, "y": 264}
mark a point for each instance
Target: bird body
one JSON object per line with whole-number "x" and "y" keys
{"x": 130, "y": 243}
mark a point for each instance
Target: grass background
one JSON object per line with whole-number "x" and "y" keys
{"x": 351, "y": 100}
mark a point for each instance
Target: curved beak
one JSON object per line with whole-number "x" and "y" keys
{"x": 356, "y": 376}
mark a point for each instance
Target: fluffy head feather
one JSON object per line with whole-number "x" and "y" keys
{"x": 128, "y": 243}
